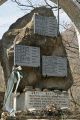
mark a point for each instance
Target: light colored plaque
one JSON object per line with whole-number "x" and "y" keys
{"x": 46, "y": 26}
{"x": 54, "y": 66}
{"x": 39, "y": 100}
{"x": 27, "y": 56}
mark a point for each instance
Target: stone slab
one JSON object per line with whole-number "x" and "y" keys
{"x": 46, "y": 26}
{"x": 39, "y": 100}
{"x": 54, "y": 66}
{"x": 27, "y": 56}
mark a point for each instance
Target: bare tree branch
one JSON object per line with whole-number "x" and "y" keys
{"x": 24, "y": 5}
{"x": 30, "y": 5}
{"x": 52, "y": 7}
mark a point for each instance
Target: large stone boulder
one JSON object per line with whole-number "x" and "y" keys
{"x": 22, "y": 31}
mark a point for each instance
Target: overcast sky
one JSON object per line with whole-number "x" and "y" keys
{"x": 10, "y": 12}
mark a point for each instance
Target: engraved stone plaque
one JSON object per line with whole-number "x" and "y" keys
{"x": 54, "y": 66}
{"x": 27, "y": 56}
{"x": 46, "y": 26}
{"x": 39, "y": 100}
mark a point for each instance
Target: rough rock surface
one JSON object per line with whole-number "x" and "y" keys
{"x": 71, "y": 44}
{"x": 1, "y": 102}
{"x": 22, "y": 31}
{"x": 2, "y": 82}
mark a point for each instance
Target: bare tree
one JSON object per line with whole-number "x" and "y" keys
{"x": 29, "y": 4}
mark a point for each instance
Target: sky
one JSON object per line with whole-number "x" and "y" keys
{"x": 10, "y": 12}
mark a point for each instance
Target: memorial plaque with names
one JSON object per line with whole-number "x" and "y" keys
{"x": 27, "y": 56}
{"x": 40, "y": 100}
{"x": 46, "y": 26}
{"x": 54, "y": 66}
